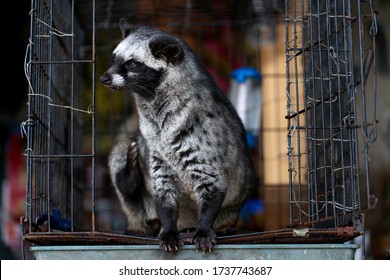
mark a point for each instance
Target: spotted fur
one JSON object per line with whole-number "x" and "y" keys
{"x": 190, "y": 149}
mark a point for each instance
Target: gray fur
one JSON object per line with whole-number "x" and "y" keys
{"x": 190, "y": 149}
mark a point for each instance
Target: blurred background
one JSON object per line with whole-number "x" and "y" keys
{"x": 222, "y": 48}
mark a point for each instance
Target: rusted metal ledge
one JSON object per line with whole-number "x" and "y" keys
{"x": 283, "y": 236}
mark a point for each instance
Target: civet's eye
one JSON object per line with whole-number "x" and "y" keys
{"x": 131, "y": 64}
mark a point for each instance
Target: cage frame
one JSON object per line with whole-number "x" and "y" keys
{"x": 339, "y": 231}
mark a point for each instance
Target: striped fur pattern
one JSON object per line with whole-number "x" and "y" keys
{"x": 189, "y": 166}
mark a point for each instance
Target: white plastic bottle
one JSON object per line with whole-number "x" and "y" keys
{"x": 245, "y": 94}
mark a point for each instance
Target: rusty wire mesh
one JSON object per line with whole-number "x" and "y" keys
{"x": 60, "y": 113}
{"x": 330, "y": 60}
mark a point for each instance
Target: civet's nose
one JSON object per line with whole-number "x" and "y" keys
{"x": 106, "y": 79}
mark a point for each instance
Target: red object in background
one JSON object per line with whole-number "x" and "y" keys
{"x": 14, "y": 190}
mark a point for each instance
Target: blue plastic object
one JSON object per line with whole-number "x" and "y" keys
{"x": 251, "y": 140}
{"x": 56, "y": 222}
{"x": 240, "y": 74}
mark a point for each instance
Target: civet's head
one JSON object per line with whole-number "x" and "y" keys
{"x": 142, "y": 59}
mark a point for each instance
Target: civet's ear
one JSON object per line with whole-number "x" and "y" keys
{"x": 126, "y": 28}
{"x": 167, "y": 48}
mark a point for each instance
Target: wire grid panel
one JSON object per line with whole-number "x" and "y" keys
{"x": 59, "y": 119}
{"x": 330, "y": 48}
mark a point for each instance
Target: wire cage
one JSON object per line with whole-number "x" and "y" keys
{"x": 320, "y": 61}
{"x": 60, "y": 74}
{"x": 330, "y": 73}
